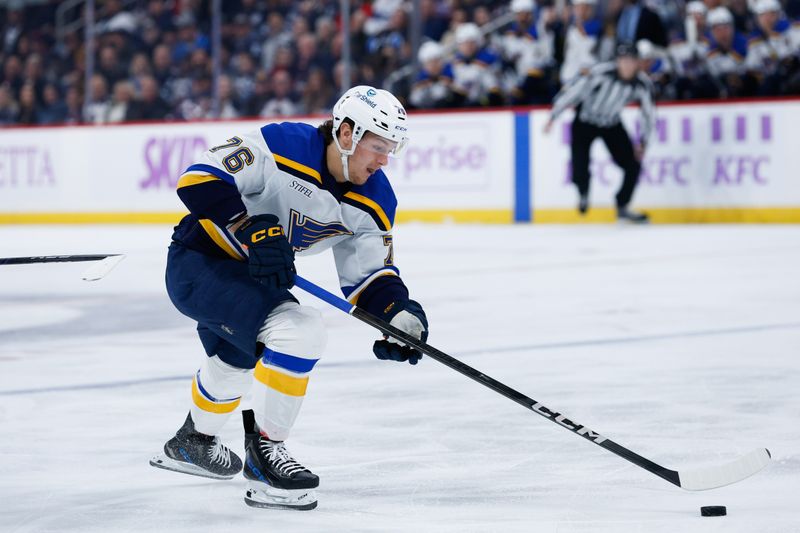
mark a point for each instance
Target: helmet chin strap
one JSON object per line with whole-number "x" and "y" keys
{"x": 346, "y": 167}
{"x": 345, "y": 154}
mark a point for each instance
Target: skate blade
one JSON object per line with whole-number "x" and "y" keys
{"x": 167, "y": 463}
{"x": 629, "y": 222}
{"x": 266, "y": 496}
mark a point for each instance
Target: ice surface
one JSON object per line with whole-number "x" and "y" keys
{"x": 679, "y": 342}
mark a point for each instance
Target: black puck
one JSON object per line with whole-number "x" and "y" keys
{"x": 713, "y": 510}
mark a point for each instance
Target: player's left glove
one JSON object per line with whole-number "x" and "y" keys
{"x": 271, "y": 260}
{"x": 407, "y": 316}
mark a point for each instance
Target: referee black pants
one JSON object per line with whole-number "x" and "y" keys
{"x": 621, "y": 149}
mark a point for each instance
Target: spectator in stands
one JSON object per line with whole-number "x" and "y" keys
{"x": 772, "y": 57}
{"x": 434, "y": 85}
{"x": 97, "y": 108}
{"x": 28, "y": 108}
{"x": 581, "y": 40}
{"x": 150, "y": 105}
{"x": 197, "y": 104}
{"x": 317, "y": 93}
{"x": 228, "y": 101}
{"x": 140, "y": 66}
{"x": 284, "y": 60}
{"x": 325, "y": 30}
{"x": 121, "y": 98}
{"x": 162, "y": 64}
{"x": 34, "y": 74}
{"x": 434, "y": 19}
{"x": 12, "y": 74}
{"x": 14, "y": 26}
{"x": 160, "y": 15}
{"x": 308, "y": 58}
{"x": 53, "y": 109}
{"x": 387, "y": 49}
{"x": 111, "y": 66}
{"x": 74, "y": 101}
{"x": 242, "y": 73}
{"x": 189, "y": 38}
{"x": 277, "y": 36}
{"x": 475, "y": 77}
{"x": 743, "y": 21}
{"x": 381, "y": 14}
{"x": 8, "y": 106}
{"x": 726, "y": 54}
{"x": 282, "y": 102}
{"x": 529, "y": 47}
{"x": 637, "y": 22}
{"x": 253, "y": 104}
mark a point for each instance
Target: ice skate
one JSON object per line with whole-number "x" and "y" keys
{"x": 190, "y": 452}
{"x": 626, "y": 215}
{"x": 583, "y": 204}
{"x": 275, "y": 479}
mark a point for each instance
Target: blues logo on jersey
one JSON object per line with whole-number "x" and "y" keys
{"x": 304, "y": 231}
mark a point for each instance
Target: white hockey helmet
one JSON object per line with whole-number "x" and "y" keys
{"x": 429, "y": 51}
{"x": 522, "y": 6}
{"x": 765, "y": 6}
{"x": 696, "y": 7}
{"x": 374, "y": 110}
{"x": 719, "y": 15}
{"x": 467, "y": 32}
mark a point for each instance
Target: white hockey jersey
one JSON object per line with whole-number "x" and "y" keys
{"x": 280, "y": 170}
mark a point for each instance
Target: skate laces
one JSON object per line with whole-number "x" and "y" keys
{"x": 277, "y": 454}
{"x": 219, "y": 453}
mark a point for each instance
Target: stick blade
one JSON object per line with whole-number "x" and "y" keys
{"x": 99, "y": 269}
{"x": 719, "y": 476}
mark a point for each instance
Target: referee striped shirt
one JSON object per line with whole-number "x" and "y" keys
{"x": 600, "y": 95}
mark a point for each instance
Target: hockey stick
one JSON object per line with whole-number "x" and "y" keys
{"x": 697, "y": 479}
{"x": 106, "y": 262}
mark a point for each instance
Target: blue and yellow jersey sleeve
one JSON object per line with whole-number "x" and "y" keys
{"x": 212, "y": 192}
{"x": 208, "y": 196}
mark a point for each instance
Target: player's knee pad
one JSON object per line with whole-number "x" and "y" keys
{"x": 295, "y": 330}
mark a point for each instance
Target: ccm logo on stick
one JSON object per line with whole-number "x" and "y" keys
{"x": 567, "y": 423}
{"x": 264, "y": 233}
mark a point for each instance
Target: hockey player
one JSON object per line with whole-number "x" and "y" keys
{"x": 581, "y": 40}
{"x": 528, "y": 45}
{"x": 772, "y": 57}
{"x": 726, "y": 54}
{"x": 475, "y": 68}
{"x": 256, "y": 201}
{"x": 688, "y": 55}
{"x": 433, "y": 87}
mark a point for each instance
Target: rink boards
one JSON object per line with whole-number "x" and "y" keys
{"x": 708, "y": 162}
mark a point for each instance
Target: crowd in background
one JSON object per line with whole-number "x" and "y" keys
{"x": 153, "y": 59}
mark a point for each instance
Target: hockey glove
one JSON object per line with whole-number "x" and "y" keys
{"x": 407, "y": 316}
{"x": 271, "y": 255}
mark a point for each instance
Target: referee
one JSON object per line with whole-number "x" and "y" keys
{"x": 599, "y": 97}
